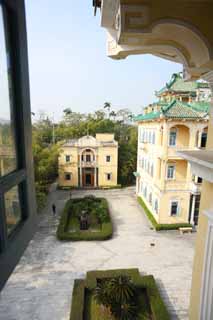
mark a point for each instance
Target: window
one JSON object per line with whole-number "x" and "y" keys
{"x": 17, "y": 198}
{"x": 153, "y": 138}
{"x": 108, "y": 158}
{"x": 108, "y": 176}
{"x": 156, "y": 205}
{"x": 68, "y": 158}
{"x": 199, "y": 180}
{"x": 145, "y": 192}
{"x": 68, "y": 176}
{"x": 12, "y": 209}
{"x": 171, "y": 171}
{"x": 150, "y": 197}
{"x": 142, "y": 164}
{"x": 150, "y": 137}
{"x": 174, "y": 210}
{"x": 8, "y": 161}
{"x": 172, "y": 138}
{"x": 82, "y": 157}
{"x": 152, "y": 170}
{"x": 88, "y": 157}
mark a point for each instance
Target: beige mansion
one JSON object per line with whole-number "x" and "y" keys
{"x": 89, "y": 162}
{"x": 178, "y": 121}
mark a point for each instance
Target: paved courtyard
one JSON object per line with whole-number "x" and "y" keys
{"x": 41, "y": 286}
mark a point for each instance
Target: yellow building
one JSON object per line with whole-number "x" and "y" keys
{"x": 170, "y": 30}
{"x": 177, "y": 121}
{"x": 89, "y": 162}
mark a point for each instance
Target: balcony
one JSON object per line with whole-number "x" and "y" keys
{"x": 201, "y": 162}
{"x": 88, "y": 164}
{"x": 174, "y": 185}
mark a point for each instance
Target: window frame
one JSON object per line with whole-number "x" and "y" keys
{"x": 107, "y": 158}
{"x": 174, "y": 171}
{"x": 172, "y": 130}
{"x": 66, "y": 174}
{"x": 178, "y": 208}
{"x": 67, "y": 156}
{"x": 109, "y": 175}
{"x": 12, "y": 247}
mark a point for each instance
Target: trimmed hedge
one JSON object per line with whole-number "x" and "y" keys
{"x": 105, "y": 232}
{"x": 160, "y": 226}
{"x": 158, "y": 308}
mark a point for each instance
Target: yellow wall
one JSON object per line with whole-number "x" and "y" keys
{"x": 161, "y": 154}
{"x": 206, "y": 203}
{"x": 71, "y": 167}
{"x": 107, "y": 167}
{"x": 102, "y": 150}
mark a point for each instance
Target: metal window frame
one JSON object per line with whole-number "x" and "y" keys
{"x": 12, "y": 248}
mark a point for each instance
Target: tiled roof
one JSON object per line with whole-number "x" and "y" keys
{"x": 178, "y": 110}
{"x": 178, "y": 84}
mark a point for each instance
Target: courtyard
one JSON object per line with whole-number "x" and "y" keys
{"x": 41, "y": 286}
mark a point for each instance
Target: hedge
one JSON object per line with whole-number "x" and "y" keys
{"x": 160, "y": 226}
{"x": 104, "y": 234}
{"x": 158, "y": 308}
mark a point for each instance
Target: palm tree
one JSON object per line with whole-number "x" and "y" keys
{"x": 119, "y": 295}
{"x": 122, "y": 290}
{"x": 113, "y": 114}
{"x": 107, "y": 106}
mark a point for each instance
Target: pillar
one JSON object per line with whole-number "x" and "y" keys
{"x": 193, "y": 209}
{"x": 198, "y": 274}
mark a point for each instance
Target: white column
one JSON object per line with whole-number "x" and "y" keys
{"x": 95, "y": 184}
{"x": 193, "y": 209}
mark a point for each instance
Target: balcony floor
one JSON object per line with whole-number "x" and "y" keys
{"x": 41, "y": 286}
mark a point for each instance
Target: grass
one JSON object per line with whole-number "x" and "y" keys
{"x": 84, "y": 306}
{"x": 69, "y": 226}
{"x": 160, "y": 226}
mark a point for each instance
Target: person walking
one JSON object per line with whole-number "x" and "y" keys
{"x": 54, "y": 209}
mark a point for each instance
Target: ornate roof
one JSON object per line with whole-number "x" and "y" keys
{"x": 89, "y": 141}
{"x": 177, "y": 84}
{"x": 178, "y": 110}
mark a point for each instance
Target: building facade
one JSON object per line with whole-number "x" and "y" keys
{"x": 89, "y": 162}
{"x": 178, "y": 121}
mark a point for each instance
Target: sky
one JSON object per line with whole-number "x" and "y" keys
{"x": 69, "y": 67}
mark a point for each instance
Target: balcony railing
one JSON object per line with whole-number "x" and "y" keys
{"x": 88, "y": 163}
{"x": 175, "y": 185}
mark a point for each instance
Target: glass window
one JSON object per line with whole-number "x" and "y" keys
{"x": 88, "y": 158}
{"x": 67, "y": 176}
{"x": 7, "y": 144}
{"x": 171, "y": 172}
{"x": 174, "y": 208}
{"x": 67, "y": 158}
{"x": 153, "y": 138}
{"x": 152, "y": 170}
{"x": 156, "y": 205}
{"x": 108, "y": 176}
{"x": 150, "y": 198}
{"x": 108, "y": 158}
{"x": 172, "y": 138}
{"x": 12, "y": 209}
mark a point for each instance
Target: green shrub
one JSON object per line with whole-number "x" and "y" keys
{"x": 74, "y": 207}
{"x": 156, "y": 304}
{"x": 41, "y": 199}
{"x": 160, "y": 226}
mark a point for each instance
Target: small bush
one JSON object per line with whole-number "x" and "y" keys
{"x": 160, "y": 226}
{"x": 73, "y": 207}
